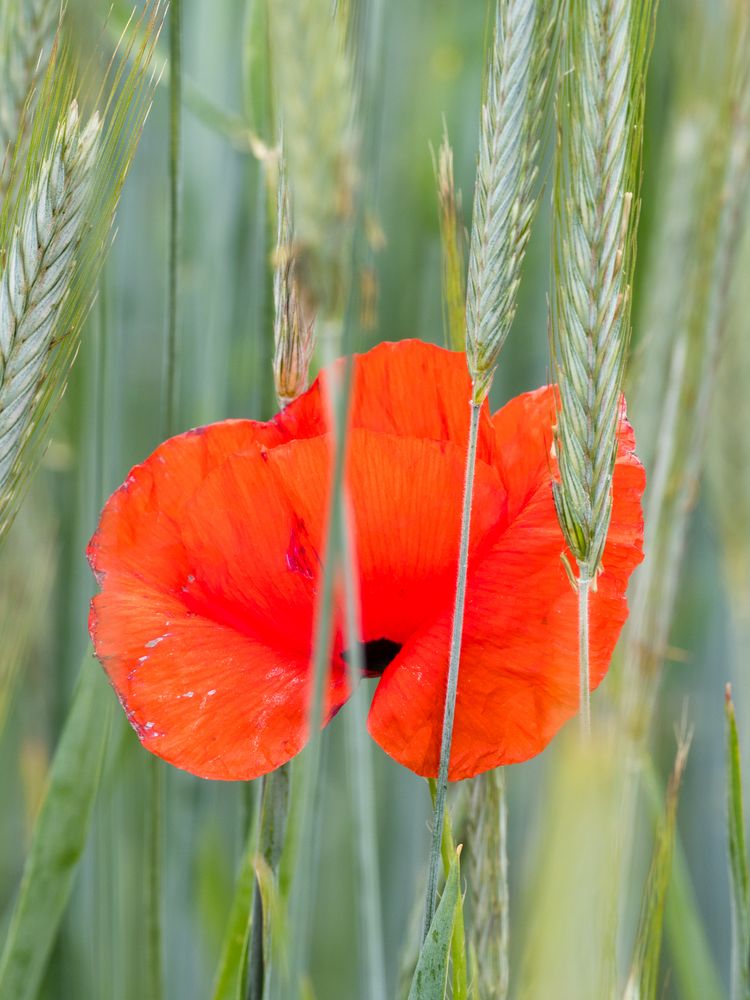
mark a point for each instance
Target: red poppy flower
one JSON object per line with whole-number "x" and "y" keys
{"x": 208, "y": 558}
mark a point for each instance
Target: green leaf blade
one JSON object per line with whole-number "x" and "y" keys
{"x": 431, "y": 975}
{"x": 229, "y": 975}
{"x": 59, "y": 837}
{"x": 740, "y": 883}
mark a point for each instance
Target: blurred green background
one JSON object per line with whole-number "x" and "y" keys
{"x": 428, "y": 69}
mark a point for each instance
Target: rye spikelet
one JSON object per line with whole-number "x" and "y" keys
{"x": 488, "y": 878}
{"x": 313, "y": 83}
{"x": 27, "y": 32}
{"x": 506, "y": 194}
{"x": 294, "y": 330}
{"x": 55, "y": 233}
{"x": 598, "y": 165}
{"x": 36, "y": 276}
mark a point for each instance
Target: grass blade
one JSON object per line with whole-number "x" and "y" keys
{"x": 431, "y": 975}
{"x": 459, "y": 979}
{"x": 740, "y": 881}
{"x": 696, "y": 973}
{"x": 643, "y": 982}
{"x": 59, "y": 837}
{"x": 228, "y": 982}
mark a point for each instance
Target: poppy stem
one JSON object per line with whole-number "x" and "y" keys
{"x": 452, "y": 685}
{"x": 584, "y": 585}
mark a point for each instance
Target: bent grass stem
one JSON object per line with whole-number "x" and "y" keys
{"x": 452, "y": 685}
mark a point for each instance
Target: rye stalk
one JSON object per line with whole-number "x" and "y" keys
{"x": 606, "y": 48}
{"x": 505, "y": 199}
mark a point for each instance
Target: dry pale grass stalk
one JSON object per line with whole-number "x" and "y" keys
{"x": 506, "y": 194}
{"x": 313, "y": 83}
{"x": 452, "y": 240}
{"x": 26, "y": 33}
{"x": 294, "y": 330}
{"x": 39, "y": 268}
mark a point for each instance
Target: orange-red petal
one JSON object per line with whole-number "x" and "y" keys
{"x": 518, "y": 676}
{"x": 204, "y": 619}
{"x": 209, "y": 558}
{"x": 406, "y": 389}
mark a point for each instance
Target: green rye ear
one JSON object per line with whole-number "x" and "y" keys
{"x": 54, "y": 233}
{"x": 27, "y": 36}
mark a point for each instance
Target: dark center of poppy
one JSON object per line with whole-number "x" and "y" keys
{"x": 376, "y": 655}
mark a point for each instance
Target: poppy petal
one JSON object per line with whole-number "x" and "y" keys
{"x": 197, "y": 653}
{"x": 201, "y": 695}
{"x": 407, "y": 538}
{"x": 156, "y": 493}
{"x": 518, "y": 677}
{"x": 408, "y": 388}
